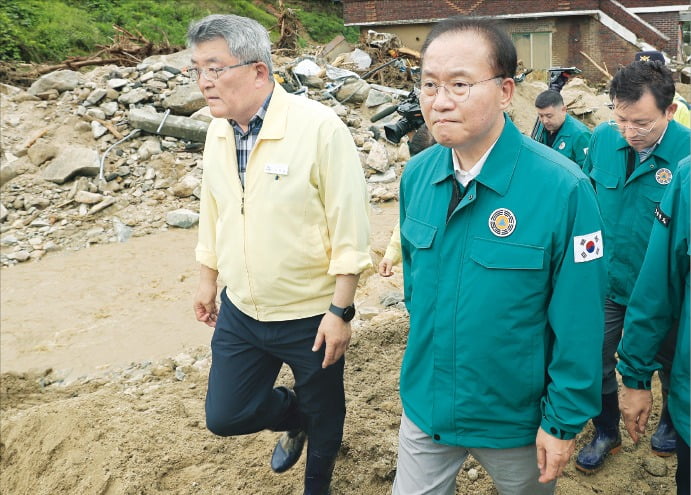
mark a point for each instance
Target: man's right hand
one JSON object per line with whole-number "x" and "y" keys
{"x": 205, "y": 309}
{"x": 385, "y": 267}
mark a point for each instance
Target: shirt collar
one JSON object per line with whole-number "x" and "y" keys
{"x": 256, "y": 121}
{"x": 646, "y": 153}
{"x": 497, "y": 172}
{"x": 463, "y": 176}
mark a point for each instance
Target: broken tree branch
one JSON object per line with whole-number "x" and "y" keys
{"x": 609, "y": 76}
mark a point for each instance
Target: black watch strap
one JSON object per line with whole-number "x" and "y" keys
{"x": 346, "y": 314}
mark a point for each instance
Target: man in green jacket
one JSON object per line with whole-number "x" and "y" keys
{"x": 631, "y": 161}
{"x": 661, "y": 296}
{"x": 504, "y": 279}
{"x": 559, "y": 130}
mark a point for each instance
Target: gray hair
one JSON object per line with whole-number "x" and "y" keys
{"x": 247, "y": 40}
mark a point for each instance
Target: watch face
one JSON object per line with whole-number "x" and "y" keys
{"x": 348, "y": 313}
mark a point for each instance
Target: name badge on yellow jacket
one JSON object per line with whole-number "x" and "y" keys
{"x": 276, "y": 168}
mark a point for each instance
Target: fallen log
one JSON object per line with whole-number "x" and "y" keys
{"x": 168, "y": 125}
{"x": 75, "y": 64}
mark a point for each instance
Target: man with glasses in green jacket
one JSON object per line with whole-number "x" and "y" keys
{"x": 504, "y": 278}
{"x": 631, "y": 160}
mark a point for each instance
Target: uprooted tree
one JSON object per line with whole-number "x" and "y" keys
{"x": 127, "y": 49}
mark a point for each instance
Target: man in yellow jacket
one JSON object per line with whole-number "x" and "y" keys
{"x": 284, "y": 227}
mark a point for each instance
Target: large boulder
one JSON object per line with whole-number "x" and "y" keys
{"x": 71, "y": 162}
{"x": 60, "y": 80}
{"x": 185, "y": 99}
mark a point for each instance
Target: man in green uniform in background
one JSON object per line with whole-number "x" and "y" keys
{"x": 631, "y": 160}
{"x": 559, "y": 130}
{"x": 661, "y": 296}
{"x": 504, "y": 279}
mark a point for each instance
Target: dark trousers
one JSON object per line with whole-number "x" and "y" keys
{"x": 247, "y": 356}
{"x": 682, "y": 476}
{"x": 614, "y": 324}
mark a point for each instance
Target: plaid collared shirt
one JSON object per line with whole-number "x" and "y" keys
{"x": 245, "y": 141}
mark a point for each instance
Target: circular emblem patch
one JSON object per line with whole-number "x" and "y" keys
{"x": 502, "y": 222}
{"x": 562, "y": 145}
{"x": 663, "y": 176}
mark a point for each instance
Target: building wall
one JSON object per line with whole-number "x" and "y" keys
{"x": 607, "y": 49}
{"x": 399, "y": 12}
{"x": 668, "y": 24}
{"x": 411, "y": 35}
{"x": 575, "y": 34}
{"x": 383, "y": 11}
{"x": 570, "y": 36}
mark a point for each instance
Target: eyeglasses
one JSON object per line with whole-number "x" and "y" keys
{"x": 212, "y": 73}
{"x": 641, "y": 131}
{"x": 458, "y": 90}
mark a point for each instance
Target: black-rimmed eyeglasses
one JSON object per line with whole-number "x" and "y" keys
{"x": 212, "y": 73}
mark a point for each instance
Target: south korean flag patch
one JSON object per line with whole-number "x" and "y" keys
{"x": 587, "y": 247}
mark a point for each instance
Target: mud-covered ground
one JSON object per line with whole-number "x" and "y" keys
{"x": 139, "y": 428}
{"x": 104, "y": 374}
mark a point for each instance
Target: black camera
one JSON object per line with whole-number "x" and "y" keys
{"x": 559, "y": 76}
{"x": 411, "y": 119}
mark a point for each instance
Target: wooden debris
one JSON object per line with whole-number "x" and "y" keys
{"x": 409, "y": 51}
{"x": 127, "y": 49}
{"x": 604, "y": 71}
{"x": 108, "y": 125}
{"x": 289, "y": 26}
{"x": 35, "y": 138}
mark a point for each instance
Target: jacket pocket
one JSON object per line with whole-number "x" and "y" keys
{"x": 650, "y": 199}
{"x": 420, "y": 234}
{"x": 502, "y": 255}
{"x": 653, "y": 193}
{"x": 604, "y": 178}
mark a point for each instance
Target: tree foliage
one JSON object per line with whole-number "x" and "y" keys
{"x": 54, "y": 30}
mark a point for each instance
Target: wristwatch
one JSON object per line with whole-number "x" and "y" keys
{"x": 347, "y": 313}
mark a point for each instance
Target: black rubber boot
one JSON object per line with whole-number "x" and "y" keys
{"x": 318, "y": 473}
{"x": 607, "y": 439}
{"x": 291, "y": 419}
{"x": 664, "y": 440}
{"x": 290, "y": 444}
{"x": 287, "y": 450}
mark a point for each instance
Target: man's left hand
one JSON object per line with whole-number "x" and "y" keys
{"x": 552, "y": 455}
{"x": 336, "y": 333}
{"x": 635, "y": 406}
